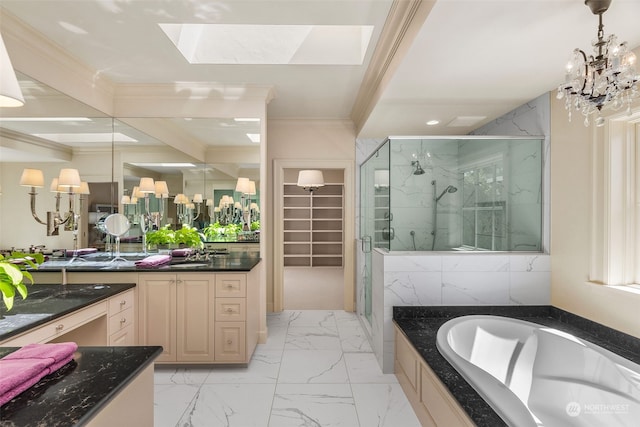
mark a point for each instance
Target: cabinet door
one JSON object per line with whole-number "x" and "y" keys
{"x": 230, "y": 342}
{"x": 195, "y": 303}
{"x": 158, "y": 313}
{"x": 124, "y": 337}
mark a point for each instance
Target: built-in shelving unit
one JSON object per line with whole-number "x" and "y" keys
{"x": 382, "y": 218}
{"x": 313, "y": 226}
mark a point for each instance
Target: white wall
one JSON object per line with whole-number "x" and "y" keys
{"x": 307, "y": 140}
{"x": 571, "y": 189}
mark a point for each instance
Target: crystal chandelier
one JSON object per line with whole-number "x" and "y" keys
{"x": 606, "y": 78}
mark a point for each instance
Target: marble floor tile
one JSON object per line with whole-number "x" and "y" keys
{"x": 263, "y": 369}
{"x": 230, "y": 405}
{"x": 317, "y": 369}
{"x": 303, "y": 405}
{"x": 312, "y": 338}
{"x": 167, "y": 375}
{"x": 383, "y": 405}
{"x": 364, "y": 368}
{"x": 170, "y": 401}
{"x": 313, "y": 366}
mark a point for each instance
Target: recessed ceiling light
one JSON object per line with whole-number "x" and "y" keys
{"x": 166, "y": 165}
{"x": 433, "y": 122}
{"x": 254, "y": 137}
{"x": 270, "y": 44}
{"x": 45, "y": 119}
{"x": 247, "y": 119}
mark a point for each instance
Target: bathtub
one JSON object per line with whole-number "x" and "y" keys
{"x": 532, "y": 375}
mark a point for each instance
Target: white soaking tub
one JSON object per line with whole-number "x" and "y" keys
{"x": 532, "y": 375}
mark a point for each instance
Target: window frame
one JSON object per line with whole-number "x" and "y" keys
{"x": 615, "y": 225}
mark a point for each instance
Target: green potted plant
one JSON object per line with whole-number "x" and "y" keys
{"x": 189, "y": 236}
{"x": 12, "y": 275}
{"x": 161, "y": 238}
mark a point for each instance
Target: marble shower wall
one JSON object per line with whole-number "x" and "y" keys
{"x": 428, "y": 278}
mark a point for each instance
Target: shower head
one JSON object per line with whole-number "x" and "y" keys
{"x": 419, "y": 170}
{"x": 449, "y": 189}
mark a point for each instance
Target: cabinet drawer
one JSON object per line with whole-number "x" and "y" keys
{"x": 231, "y": 309}
{"x": 231, "y": 285}
{"x": 123, "y": 337}
{"x": 121, "y": 302}
{"x": 230, "y": 342}
{"x": 60, "y": 326}
{"x": 120, "y": 320}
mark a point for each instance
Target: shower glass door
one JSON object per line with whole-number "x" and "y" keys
{"x": 374, "y": 216}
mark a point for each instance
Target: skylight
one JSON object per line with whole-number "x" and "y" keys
{"x": 71, "y": 138}
{"x": 270, "y": 44}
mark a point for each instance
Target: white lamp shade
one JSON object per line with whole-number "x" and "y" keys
{"x": 125, "y": 200}
{"x": 237, "y": 205}
{"x": 83, "y": 189}
{"x": 180, "y": 199}
{"x": 242, "y": 186}
{"x": 10, "y": 93}
{"x": 147, "y": 186}
{"x": 190, "y": 206}
{"x": 252, "y": 188}
{"x": 216, "y": 209}
{"x": 254, "y": 206}
{"x": 197, "y": 198}
{"x": 134, "y": 200}
{"x": 310, "y": 178}
{"x": 161, "y": 188}
{"x": 54, "y": 187}
{"x": 209, "y": 202}
{"x": 32, "y": 178}
{"x": 69, "y": 178}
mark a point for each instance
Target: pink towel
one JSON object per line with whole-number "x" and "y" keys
{"x": 153, "y": 261}
{"x": 182, "y": 252}
{"x": 83, "y": 251}
{"x": 25, "y": 367}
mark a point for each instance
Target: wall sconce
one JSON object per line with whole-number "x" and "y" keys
{"x": 224, "y": 211}
{"x": 161, "y": 193}
{"x": 67, "y": 182}
{"x": 181, "y": 201}
{"x": 10, "y": 93}
{"x": 310, "y": 180}
{"x": 197, "y": 201}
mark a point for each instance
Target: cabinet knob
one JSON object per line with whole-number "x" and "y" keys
{"x": 229, "y": 342}
{"x": 60, "y": 327}
{"x": 123, "y": 302}
{"x": 229, "y": 310}
{"x": 229, "y": 286}
{"x": 123, "y": 320}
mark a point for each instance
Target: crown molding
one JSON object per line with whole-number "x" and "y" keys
{"x": 403, "y": 23}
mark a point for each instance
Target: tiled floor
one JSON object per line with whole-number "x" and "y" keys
{"x": 316, "y": 370}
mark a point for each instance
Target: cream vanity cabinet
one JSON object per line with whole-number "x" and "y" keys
{"x": 198, "y": 317}
{"x": 431, "y": 400}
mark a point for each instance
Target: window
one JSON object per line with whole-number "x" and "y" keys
{"x": 484, "y": 222}
{"x": 616, "y": 202}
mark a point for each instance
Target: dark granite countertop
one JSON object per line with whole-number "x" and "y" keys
{"x": 103, "y": 263}
{"x": 48, "y": 302}
{"x": 74, "y": 394}
{"x": 421, "y": 324}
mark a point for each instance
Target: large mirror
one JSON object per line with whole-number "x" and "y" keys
{"x": 53, "y": 131}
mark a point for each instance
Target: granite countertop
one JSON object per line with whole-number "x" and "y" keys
{"x": 48, "y": 302}
{"x": 421, "y": 324}
{"x": 104, "y": 263}
{"x": 75, "y": 393}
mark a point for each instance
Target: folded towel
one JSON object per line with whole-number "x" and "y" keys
{"x": 83, "y": 251}
{"x": 182, "y": 252}
{"x": 26, "y": 366}
{"x": 153, "y": 261}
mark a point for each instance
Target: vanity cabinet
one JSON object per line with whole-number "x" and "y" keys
{"x": 121, "y": 322}
{"x": 430, "y": 399}
{"x": 199, "y": 317}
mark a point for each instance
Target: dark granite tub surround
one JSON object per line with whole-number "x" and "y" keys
{"x": 74, "y": 394}
{"x": 421, "y": 324}
{"x": 47, "y": 302}
{"x": 102, "y": 262}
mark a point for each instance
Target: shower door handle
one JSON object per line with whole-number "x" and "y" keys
{"x": 366, "y": 244}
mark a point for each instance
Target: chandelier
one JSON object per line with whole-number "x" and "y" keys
{"x": 606, "y": 78}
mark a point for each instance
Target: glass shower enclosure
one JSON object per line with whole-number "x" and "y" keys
{"x": 451, "y": 193}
